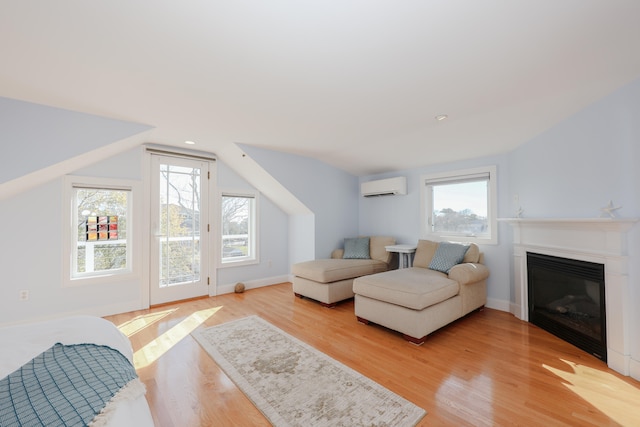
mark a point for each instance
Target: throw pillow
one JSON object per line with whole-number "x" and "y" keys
{"x": 424, "y": 253}
{"x": 356, "y": 248}
{"x": 447, "y": 255}
{"x": 473, "y": 253}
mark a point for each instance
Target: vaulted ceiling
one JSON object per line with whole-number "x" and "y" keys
{"x": 356, "y": 84}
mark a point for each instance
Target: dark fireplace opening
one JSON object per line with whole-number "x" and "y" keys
{"x": 566, "y": 298}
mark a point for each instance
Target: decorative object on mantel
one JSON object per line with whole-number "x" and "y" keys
{"x": 519, "y": 212}
{"x": 610, "y": 210}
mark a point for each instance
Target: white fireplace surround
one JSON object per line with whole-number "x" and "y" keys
{"x": 598, "y": 240}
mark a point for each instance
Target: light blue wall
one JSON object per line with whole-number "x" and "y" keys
{"x": 581, "y": 164}
{"x": 31, "y": 252}
{"x": 578, "y": 166}
{"x": 273, "y": 231}
{"x": 399, "y": 216}
{"x": 330, "y": 193}
{"x": 35, "y": 136}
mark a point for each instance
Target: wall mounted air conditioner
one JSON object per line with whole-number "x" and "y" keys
{"x": 384, "y": 187}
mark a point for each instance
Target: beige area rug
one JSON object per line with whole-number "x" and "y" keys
{"x": 293, "y": 384}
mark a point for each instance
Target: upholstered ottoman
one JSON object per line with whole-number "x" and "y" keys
{"x": 331, "y": 280}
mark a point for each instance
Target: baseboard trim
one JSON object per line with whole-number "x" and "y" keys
{"x": 252, "y": 284}
{"x": 498, "y": 304}
{"x": 634, "y": 369}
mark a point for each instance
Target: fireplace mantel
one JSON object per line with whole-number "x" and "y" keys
{"x": 599, "y": 240}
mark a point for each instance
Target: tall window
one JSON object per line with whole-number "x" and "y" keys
{"x": 180, "y": 216}
{"x": 460, "y": 206}
{"x": 100, "y": 215}
{"x": 238, "y": 228}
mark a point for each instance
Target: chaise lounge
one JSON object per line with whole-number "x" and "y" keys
{"x": 446, "y": 282}
{"x": 331, "y": 280}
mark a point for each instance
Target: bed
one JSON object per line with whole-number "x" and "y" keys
{"x": 22, "y": 344}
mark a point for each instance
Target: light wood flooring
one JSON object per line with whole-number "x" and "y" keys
{"x": 487, "y": 369}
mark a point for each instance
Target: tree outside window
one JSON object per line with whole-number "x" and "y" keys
{"x": 238, "y": 227}
{"x": 180, "y": 217}
{"x": 460, "y": 206}
{"x": 101, "y": 243}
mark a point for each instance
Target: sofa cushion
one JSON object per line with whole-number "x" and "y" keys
{"x": 424, "y": 253}
{"x": 337, "y": 253}
{"x": 473, "y": 254}
{"x": 467, "y": 273}
{"x": 414, "y": 288}
{"x": 377, "y": 247}
{"x": 332, "y": 270}
{"x": 426, "y": 249}
{"x": 447, "y": 255}
{"x": 356, "y": 248}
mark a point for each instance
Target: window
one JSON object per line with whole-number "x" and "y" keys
{"x": 239, "y": 228}
{"x": 99, "y": 236}
{"x": 460, "y": 206}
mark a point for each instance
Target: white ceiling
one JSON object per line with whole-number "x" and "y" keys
{"x": 353, "y": 83}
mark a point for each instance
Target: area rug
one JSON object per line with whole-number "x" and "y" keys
{"x": 293, "y": 384}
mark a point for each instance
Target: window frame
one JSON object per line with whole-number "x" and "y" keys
{"x": 253, "y": 256}
{"x": 70, "y": 231}
{"x": 426, "y": 205}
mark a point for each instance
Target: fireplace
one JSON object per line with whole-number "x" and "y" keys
{"x": 594, "y": 240}
{"x": 567, "y": 299}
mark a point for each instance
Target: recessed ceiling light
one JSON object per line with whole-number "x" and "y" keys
{"x": 441, "y": 117}
{"x": 190, "y": 143}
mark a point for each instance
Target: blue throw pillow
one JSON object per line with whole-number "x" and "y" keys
{"x": 447, "y": 255}
{"x": 356, "y": 248}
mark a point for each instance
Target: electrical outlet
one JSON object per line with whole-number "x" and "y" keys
{"x": 269, "y": 263}
{"x": 24, "y": 295}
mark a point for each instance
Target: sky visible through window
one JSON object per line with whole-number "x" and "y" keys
{"x": 460, "y": 196}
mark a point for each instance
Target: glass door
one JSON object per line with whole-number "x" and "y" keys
{"x": 179, "y": 224}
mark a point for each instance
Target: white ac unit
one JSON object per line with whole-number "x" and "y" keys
{"x": 384, "y": 187}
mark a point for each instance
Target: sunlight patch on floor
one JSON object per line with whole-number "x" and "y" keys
{"x": 138, "y": 323}
{"x": 607, "y": 393}
{"x": 156, "y": 348}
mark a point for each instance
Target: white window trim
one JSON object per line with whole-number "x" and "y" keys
{"x": 253, "y": 225}
{"x": 492, "y": 208}
{"x": 69, "y": 230}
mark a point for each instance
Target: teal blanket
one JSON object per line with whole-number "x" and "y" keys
{"x": 67, "y": 385}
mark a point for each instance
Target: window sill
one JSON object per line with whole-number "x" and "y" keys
{"x": 463, "y": 239}
{"x": 100, "y": 279}
{"x": 239, "y": 263}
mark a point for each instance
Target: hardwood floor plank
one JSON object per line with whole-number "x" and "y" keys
{"x": 486, "y": 369}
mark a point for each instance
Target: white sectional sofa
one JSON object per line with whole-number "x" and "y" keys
{"x": 419, "y": 300}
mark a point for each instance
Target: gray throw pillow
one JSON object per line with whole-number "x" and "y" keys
{"x": 447, "y": 255}
{"x": 356, "y": 248}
